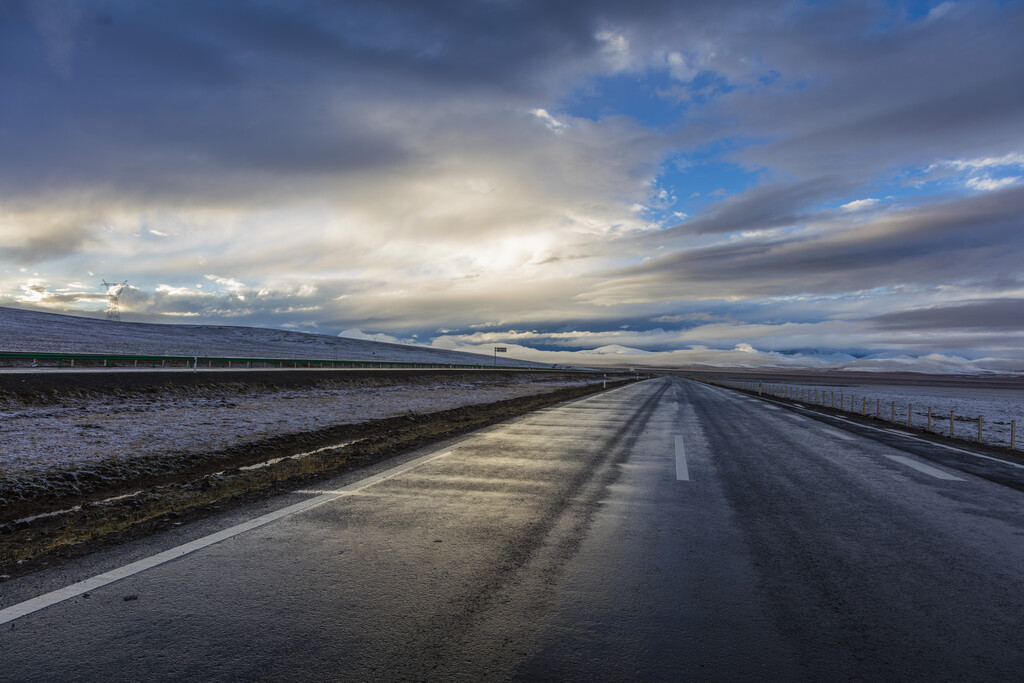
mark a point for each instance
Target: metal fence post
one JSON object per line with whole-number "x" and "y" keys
{"x": 979, "y": 428}
{"x": 952, "y": 415}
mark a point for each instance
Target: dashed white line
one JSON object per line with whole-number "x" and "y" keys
{"x": 52, "y": 598}
{"x": 921, "y": 467}
{"x": 682, "y": 472}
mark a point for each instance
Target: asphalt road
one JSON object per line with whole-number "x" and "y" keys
{"x": 662, "y": 531}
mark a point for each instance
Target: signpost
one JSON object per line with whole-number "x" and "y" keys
{"x": 497, "y": 350}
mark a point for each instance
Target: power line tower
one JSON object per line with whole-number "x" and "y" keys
{"x": 114, "y": 290}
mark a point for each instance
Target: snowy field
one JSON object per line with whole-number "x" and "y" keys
{"x": 79, "y": 431}
{"x": 22, "y": 330}
{"x": 997, "y": 406}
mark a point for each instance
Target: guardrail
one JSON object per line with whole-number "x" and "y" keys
{"x": 111, "y": 360}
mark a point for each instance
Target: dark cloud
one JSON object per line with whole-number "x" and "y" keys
{"x": 983, "y": 314}
{"x": 761, "y": 208}
{"x": 974, "y": 237}
{"x": 47, "y": 243}
{"x": 861, "y": 100}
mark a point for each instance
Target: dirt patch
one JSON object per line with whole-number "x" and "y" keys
{"x": 47, "y": 529}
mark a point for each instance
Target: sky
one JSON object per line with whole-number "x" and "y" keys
{"x": 738, "y": 183}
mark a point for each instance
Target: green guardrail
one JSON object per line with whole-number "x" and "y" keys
{"x": 110, "y": 359}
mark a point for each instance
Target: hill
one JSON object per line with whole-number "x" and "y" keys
{"x": 25, "y": 330}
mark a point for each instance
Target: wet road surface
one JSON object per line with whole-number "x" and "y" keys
{"x": 666, "y": 530}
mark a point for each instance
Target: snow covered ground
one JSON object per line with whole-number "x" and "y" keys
{"x": 24, "y": 330}
{"x": 82, "y": 430}
{"x": 997, "y": 406}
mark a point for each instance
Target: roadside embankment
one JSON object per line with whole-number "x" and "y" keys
{"x": 81, "y": 464}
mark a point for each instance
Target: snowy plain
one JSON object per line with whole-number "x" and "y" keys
{"x": 82, "y": 430}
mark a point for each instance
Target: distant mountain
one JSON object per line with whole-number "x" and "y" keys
{"x": 24, "y": 330}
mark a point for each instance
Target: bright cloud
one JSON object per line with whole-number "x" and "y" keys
{"x": 987, "y": 183}
{"x": 859, "y": 204}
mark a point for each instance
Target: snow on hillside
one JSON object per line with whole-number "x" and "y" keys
{"x": 24, "y": 330}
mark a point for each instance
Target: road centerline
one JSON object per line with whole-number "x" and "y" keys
{"x": 682, "y": 471}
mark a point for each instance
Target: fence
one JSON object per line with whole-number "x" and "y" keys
{"x": 72, "y": 360}
{"x": 889, "y": 411}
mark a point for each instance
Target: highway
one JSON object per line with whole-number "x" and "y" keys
{"x": 662, "y": 531}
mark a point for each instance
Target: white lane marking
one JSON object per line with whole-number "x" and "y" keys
{"x": 924, "y": 441}
{"x": 682, "y": 472}
{"x": 921, "y": 467}
{"x": 840, "y": 435}
{"x": 60, "y": 595}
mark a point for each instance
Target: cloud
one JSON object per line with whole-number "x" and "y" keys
{"x": 987, "y": 184}
{"x": 943, "y": 95}
{"x": 764, "y": 207}
{"x": 549, "y": 120}
{"x": 859, "y": 204}
{"x": 974, "y": 237}
{"x": 984, "y": 314}
{"x": 1010, "y": 159}
{"x": 356, "y": 333}
{"x": 406, "y": 167}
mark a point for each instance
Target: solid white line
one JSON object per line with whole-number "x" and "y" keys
{"x": 682, "y": 472}
{"x": 921, "y": 467}
{"x": 905, "y": 435}
{"x": 60, "y": 595}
